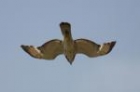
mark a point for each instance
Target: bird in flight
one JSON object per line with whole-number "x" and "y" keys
{"x": 69, "y": 47}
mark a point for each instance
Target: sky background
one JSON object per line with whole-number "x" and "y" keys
{"x": 34, "y": 22}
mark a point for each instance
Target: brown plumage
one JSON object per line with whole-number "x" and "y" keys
{"x": 68, "y": 47}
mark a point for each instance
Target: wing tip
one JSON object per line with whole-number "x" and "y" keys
{"x": 32, "y": 51}
{"x": 112, "y": 44}
{"x": 24, "y": 48}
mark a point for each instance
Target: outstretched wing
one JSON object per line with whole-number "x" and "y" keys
{"x": 93, "y": 49}
{"x": 48, "y": 50}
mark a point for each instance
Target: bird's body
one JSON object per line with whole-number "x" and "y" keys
{"x": 68, "y": 43}
{"x": 68, "y": 47}
{"x": 69, "y": 50}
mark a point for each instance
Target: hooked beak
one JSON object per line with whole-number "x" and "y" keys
{"x": 70, "y": 63}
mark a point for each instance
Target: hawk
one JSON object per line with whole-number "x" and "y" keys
{"x": 69, "y": 47}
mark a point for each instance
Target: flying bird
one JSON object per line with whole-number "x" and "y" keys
{"x": 69, "y": 47}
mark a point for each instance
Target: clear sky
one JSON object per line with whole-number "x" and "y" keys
{"x": 34, "y": 22}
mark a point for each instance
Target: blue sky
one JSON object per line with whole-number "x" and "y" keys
{"x": 34, "y": 22}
